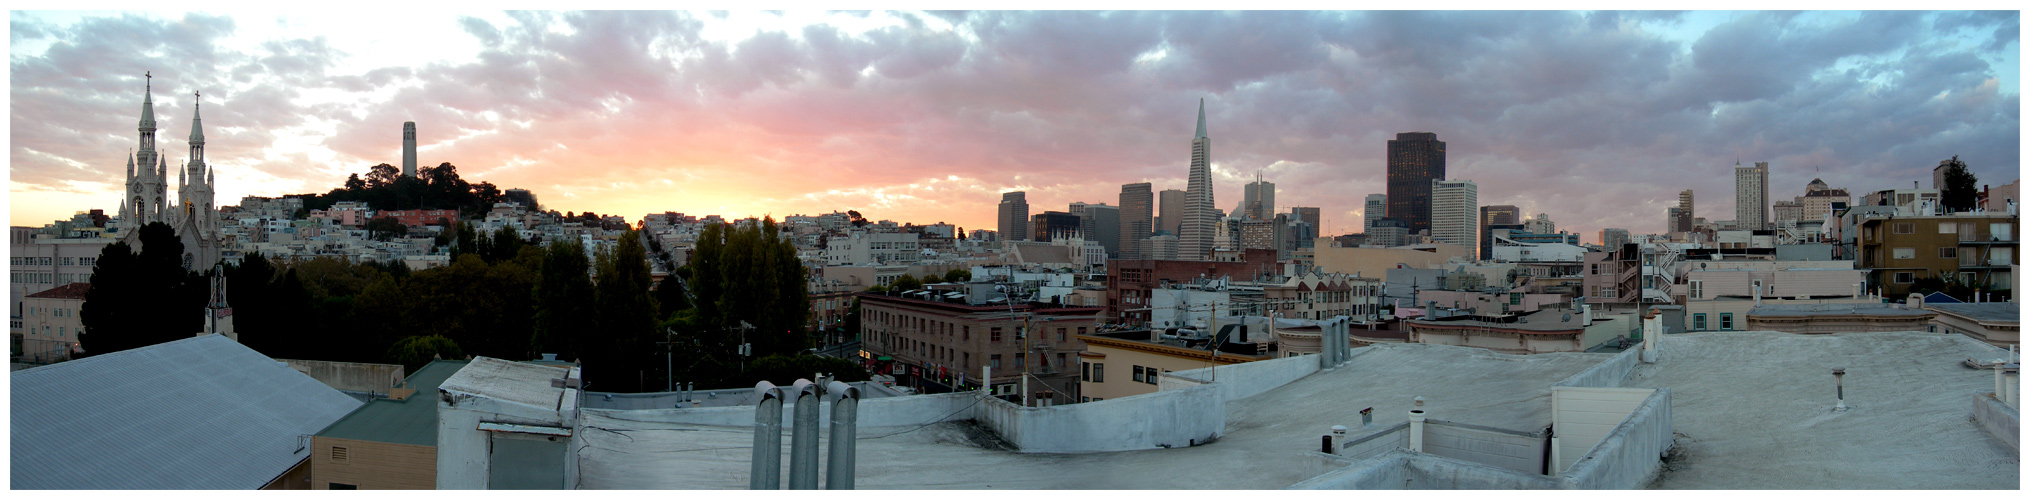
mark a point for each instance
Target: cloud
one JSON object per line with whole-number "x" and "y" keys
{"x": 638, "y": 112}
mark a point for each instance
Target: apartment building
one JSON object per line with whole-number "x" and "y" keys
{"x": 1976, "y": 250}
{"x": 925, "y": 341}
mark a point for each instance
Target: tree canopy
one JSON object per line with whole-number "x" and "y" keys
{"x": 1958, "y": 193}
{"x": 142, "y": 299}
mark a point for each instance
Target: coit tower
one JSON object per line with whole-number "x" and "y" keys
{"x": 408, "y": 149}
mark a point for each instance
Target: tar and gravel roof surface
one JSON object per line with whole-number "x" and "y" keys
{"x": 1986, "y": 311}
{"x": 1269, "y": 443}
{"x": 198, "y": 413}
{"x": 407, "y": 421}
{"x": 1753, "y": 410}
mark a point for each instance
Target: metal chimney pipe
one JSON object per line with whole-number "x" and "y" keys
{"x": 839, "y": 466}
{"x": 766, "y": 465}
{"x": 803, "y": 438}
{"x": 1417, "y": 424}
{"x": 1338, "y": 439}
{"x": 1840, "y": 388}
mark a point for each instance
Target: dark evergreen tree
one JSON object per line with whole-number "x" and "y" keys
{"x": 565, "y": 306}
{"x": 1959, "y": 192}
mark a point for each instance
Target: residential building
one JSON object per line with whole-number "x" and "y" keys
{"x": 389, "y": 443}
{"x": 1415, "y": 160}
{"x": 50, "y": 324}
{"x": 1913, "y": 198}
{"x": 1387, "y": 232}
{"x": 39, "y": 262}
{"x": 2002, "y": 198}
{"x": 1136, "y": 219}
{"x": 1200, "y": 217}
{"x": 1823, "y": 203}
{"x": 934, "y": 343}
{"x": 1719, "y": 294}
{"x": 1993, "y": 322}
{"x": 1613, "y": 237}
{"x": 1975, "y": 250}
{"x": 1454, "y": 218}
{"x": 1171, "y": 216}
{"x": 1316, "y": 296}
{"x": 1786, "y": 211}
{"x": 420, "y": 218}
{"x": 1542, "y": 331}
{"x": 1127, "y": 363}
{"x": 202, "y": 413}
{"x": 1872, "y": 316}
{"x": 1751, "y": 195}
{"x": 868, "y": 247}
{"x": 1014, "y": 216}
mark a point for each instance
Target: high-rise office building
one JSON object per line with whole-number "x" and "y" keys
{"x": 1259, "y": 199}
{"x": 1376, "y": 208}
{"x": 1170, "y": 211}
{"x": 1136, "y": 215}
{"x": 1493, "y": 215}
{"x": 1455, "y": 213}
{"x": 1415, "y": 159}
{"x": 1541, "y": 224}
{"x": 1051, "y": 225}
{"x": 1014, "y": 216}
{"x": 1680, "y": 221}
{"x": 1100, "y": 223}
{"x": 1200, "y": 217}
{"x": 1309, "y": 215}
{"x": 1612, "y": 238}
{"x": 1751, "y": 195}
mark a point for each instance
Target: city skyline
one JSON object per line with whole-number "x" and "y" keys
{"x": 929, "y": 117}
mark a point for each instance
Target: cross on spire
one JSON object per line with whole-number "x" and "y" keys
{"x": 151, "y": 79}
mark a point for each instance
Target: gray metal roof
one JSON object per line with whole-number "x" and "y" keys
{"x": 1984, "y": 312}
{"x": 198, "y": 413}
{"x": 405, "y": 421}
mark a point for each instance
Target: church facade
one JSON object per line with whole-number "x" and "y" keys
{"x": 194, "y": 215}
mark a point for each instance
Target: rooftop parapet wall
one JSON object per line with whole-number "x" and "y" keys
{"x": 883, "y": 412}
{"x": 1245, "y": 379}
{"x": 1408, "y": 470}
{"x": 1999, "y": 419}
{"x": 1629, "y": 456}
{"x": 357, "y": 377}
{"x": 1606, "y": 374}
{"x": 1177, "y": 418}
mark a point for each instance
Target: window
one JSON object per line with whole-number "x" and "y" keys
{"x": 1060, "y": 335}
{"x": 1699, "y": 320}
{"x": 1022, "y": 360}
{"x": 1151, "y": 379}
{"x": 1726, "y": 321}
{"x": 1698, "y": 289}
{"x": 1081, "y": 330}
{"x": 1099, "y": 374}
{"x": 1905, "y": 228}
{"x": 1948, "y": 228}
{"x": 2001, "y": 231}
{"x": 966, "y": 332}
{"x": 1085, "y": 372}
{"x": 994, "y": 361}
{"x": 1138, "y": 373}
{"x": 1515, "y": 298}
{"x": 1967, "y": 278}
{"x": 1903, "y": 253}
{"x": 1060, "y": 360}
{"x": 1948, "y": 252}
{"x": 994, "y": 334}
{"x": 1906, "y": 278}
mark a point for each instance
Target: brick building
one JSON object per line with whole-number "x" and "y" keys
{"x": 1129, "y": 281}
{"x": 942, "y": 345}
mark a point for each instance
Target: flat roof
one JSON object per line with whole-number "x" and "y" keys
{"x": 1753, "y": 410}
{"x": 1270, "y": 442}
{"x": 509, "y": 381}
{"x": 406, "y": 421}
{"x": 1831, "y": 309}
{"x": 1998, "y": 312}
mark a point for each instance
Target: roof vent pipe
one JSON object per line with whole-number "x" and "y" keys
{"x": 1417, "y": 426}
{"x": 803, "y": 438}
{"x": 766, "y": 470}
{"x": 839, "y": 466}
{"x": 1840, "y": 388}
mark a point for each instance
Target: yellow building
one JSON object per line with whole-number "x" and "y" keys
{"x": 1127, "y": 363}
{"x": 387, "y": 444}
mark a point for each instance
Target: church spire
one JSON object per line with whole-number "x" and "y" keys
{"x": 196, "y": 124}
{"x": 148, "y": 105}
{"x": 1201, "y": 119}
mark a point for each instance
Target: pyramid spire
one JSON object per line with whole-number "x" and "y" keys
{"x": 1201, "y": 119}
{"x": 196, "y": 124}
{"x": 130, "y": 164}
{"x": 148, "y": 104}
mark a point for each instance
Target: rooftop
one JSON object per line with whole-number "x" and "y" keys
{"x": 1997, "y": 312}
{"x": 75, "y": 291}
{"x": 1835, "y": 309}
{"x": 1269, "y": 443}
{"x": 1753, "y": 410}
{"x": 197, "y": 413}
{"x": 503, "y": 380}
{"x": 412, "y": 420}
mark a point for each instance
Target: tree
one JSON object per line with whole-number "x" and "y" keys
{"x": 382, "y": 175}
{"x": 905, "y": 283}
{"x": 959, "y": 276}
{"x": 353, "y": 184}
{"x": 1958, "y": 193}
{"x": 142, "y": 299}
{"x": 783, "y": 369}
{"x": 626, "y": 317}
{"x": 385, "y": 228}
{"x": 565, "y": 307}
{"x": 414, "y": 352}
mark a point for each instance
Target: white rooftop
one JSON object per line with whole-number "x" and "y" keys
{"x": 1753, "y": 410}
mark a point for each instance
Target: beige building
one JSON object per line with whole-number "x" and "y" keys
{"x": 1128, "y": 363}
{"x": 1375, "y": 262}
{"x": 50, "y": 325}
{"x": 1548, "y": 330}
{"x": 1317, "y": 296}
{"x": 1837, "y": 318}
{"x": 387, "y": 444}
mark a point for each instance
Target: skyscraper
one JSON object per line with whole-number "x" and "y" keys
{"x": 1680, "y": 220}
{"x": 409, "y": 150}
{"x": 1195, "y": 235}
{"x": 1496, "y": 215}
{"x": 1100, "y": 223}
{"x": 1135, "y": 218}
{"x": 1377, "y": 207}
{"x": 1415, "y": 159}
{"x": 1751, "y": 195}
{"x": 1307, "y": 214}
{"x": 1170, "y": 215}
{"x": 1014, "y": 216}
{"x": 1454, "y": 213}
{"x": 1259, "y": 199}
{"x": 1051, "y": 225}
{"x": 1612, "y": 238}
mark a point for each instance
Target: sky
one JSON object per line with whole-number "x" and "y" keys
{"x": 1597, "y": 118}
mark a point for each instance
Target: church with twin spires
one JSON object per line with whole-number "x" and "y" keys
{"x": 195, "y": 217}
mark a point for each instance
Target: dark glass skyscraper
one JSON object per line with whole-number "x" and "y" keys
{"x": 1415, "y": 159}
